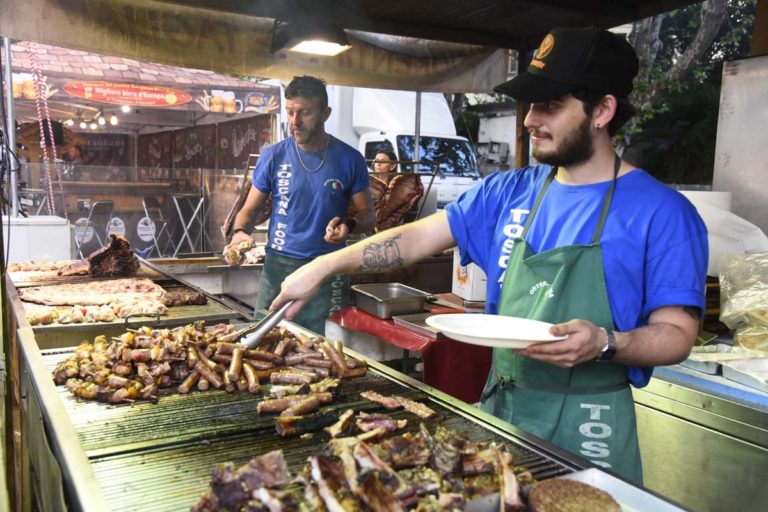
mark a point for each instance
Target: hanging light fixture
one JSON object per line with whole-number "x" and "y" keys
{"x": 93, "y": 126}
{"x": 309, "y": 36}
{"x": 101, "y": 121}
{"x": 69, "y": 122}
{"x": 83, "y": 125}
{"x": 113, "y": 120}
{"x": 125, "y": 109}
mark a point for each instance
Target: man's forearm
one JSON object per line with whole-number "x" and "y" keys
{"x": 392, "y": 249}
{"x": 657, "y": 344}
{"x": 243, "y": 220}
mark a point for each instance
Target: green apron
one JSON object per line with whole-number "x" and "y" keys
{"x": 587, "y": 410}
{"x": 333, "y": 294}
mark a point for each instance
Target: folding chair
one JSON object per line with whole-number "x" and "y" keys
{"x": 154, "y": 212}
{"x": 98, "y": 211}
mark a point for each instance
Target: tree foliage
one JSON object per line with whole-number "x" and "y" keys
{"x": 678, "y": 87}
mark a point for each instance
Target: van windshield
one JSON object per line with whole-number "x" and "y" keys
{"x": 456, "y": 157}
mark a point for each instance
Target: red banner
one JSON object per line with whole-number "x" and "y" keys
{"x": 128, "y": 94}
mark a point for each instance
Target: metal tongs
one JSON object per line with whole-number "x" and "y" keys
{"x": 265, "y": 325}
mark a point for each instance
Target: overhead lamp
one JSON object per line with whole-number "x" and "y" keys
{"x": 309, "y": 36}
{"x": 93, "y": 126}
{"x": 83, "y": 125}
{"x": 101, "y": 121}
{"x": 125, "y": 109}
{"x": 113, "y": 120}
{"x": 69, "y": 122}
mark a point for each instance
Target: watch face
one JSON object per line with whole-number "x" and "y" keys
{"x": 610, "y": 347}
{"x": 607, "y": 353}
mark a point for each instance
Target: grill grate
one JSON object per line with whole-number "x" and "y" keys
{"x": 159, "y": 456}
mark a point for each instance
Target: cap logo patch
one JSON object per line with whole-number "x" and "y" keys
{"x": 545, "y": 47}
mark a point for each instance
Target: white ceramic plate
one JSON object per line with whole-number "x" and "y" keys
{"x": 493, "y": 330}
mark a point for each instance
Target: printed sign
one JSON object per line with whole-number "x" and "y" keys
{"x": 128, "y": 94}
{"x": 116, "y": 227}
{"x": 145, "y": 229}
{"x": 83, "y": 234}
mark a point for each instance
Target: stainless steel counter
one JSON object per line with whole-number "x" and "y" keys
{"x": 704, "y": 440}
{"x": 216, "y": 277}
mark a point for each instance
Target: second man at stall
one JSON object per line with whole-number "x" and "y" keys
{"x": 313, "y": 179}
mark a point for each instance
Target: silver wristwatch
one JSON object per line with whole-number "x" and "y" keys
{"x": 609, "y": 350}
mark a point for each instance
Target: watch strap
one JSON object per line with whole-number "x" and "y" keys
{"x": 238, "y": 230}
{"x": 609, "y": 350}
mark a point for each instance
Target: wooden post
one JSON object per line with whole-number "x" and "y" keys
{"x": 760, "y": 29}
{"x": 522, "y": 140}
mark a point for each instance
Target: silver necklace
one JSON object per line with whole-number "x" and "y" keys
{"x": 322, "y": 161}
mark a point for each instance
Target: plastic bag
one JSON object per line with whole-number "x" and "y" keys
{"x": 744, "y": 298}
{"x": 727, "y": 234}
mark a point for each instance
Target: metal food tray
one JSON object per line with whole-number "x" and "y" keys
{"x": 386, "y": 300}
{"x": 750, "y": 372}
{"x": 707, "y": 359}
{"x": 417, "y": 323}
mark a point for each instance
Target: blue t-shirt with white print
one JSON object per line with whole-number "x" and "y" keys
{"x": 305, "y": 197}
{"x": 654, "y": 242}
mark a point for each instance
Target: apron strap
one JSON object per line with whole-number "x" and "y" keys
{"x": 607, "y": 202}
{"x": 603, "y": 213}
{"x": 539, "y": 198}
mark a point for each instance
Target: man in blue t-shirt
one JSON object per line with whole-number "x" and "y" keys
{"x": 612, "y": 257}
{"x": 313, "y": 179}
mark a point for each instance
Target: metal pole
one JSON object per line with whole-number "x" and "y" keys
{"x": 10, "y": 130}
{"x": 417, "y": 130}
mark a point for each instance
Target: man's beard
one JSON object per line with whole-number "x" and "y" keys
{"x": 575, "y": 148}
{"x": 311, "y": 133}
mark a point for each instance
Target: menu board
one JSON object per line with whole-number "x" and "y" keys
{"x": 155, "y": 149}
{"x": 195, "y": 148}
{"x": 240, "y": 138}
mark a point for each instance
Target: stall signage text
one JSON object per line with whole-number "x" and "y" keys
{"x": 128, "y": 94}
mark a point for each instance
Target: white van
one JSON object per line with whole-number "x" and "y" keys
{"x": 369, "y": 119}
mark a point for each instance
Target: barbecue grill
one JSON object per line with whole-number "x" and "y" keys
{"x": 90, "y": 456}
{"x": 159, "y": 456}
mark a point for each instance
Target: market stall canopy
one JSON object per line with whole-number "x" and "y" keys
{"x": 235, "y": 36}
{"x": 82, "y": 85}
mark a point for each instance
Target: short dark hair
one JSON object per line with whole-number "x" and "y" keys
{"x": 624, "y": 109}
{"x": 307, "y": 87}
{"x": 387, "y": 151}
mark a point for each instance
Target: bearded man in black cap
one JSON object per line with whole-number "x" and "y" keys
{"x": 609, "y": 255}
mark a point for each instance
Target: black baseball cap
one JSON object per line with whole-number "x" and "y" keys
{"x": 576, "y": 58}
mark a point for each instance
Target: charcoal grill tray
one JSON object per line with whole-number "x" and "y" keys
{"x": 158, "y": 456}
